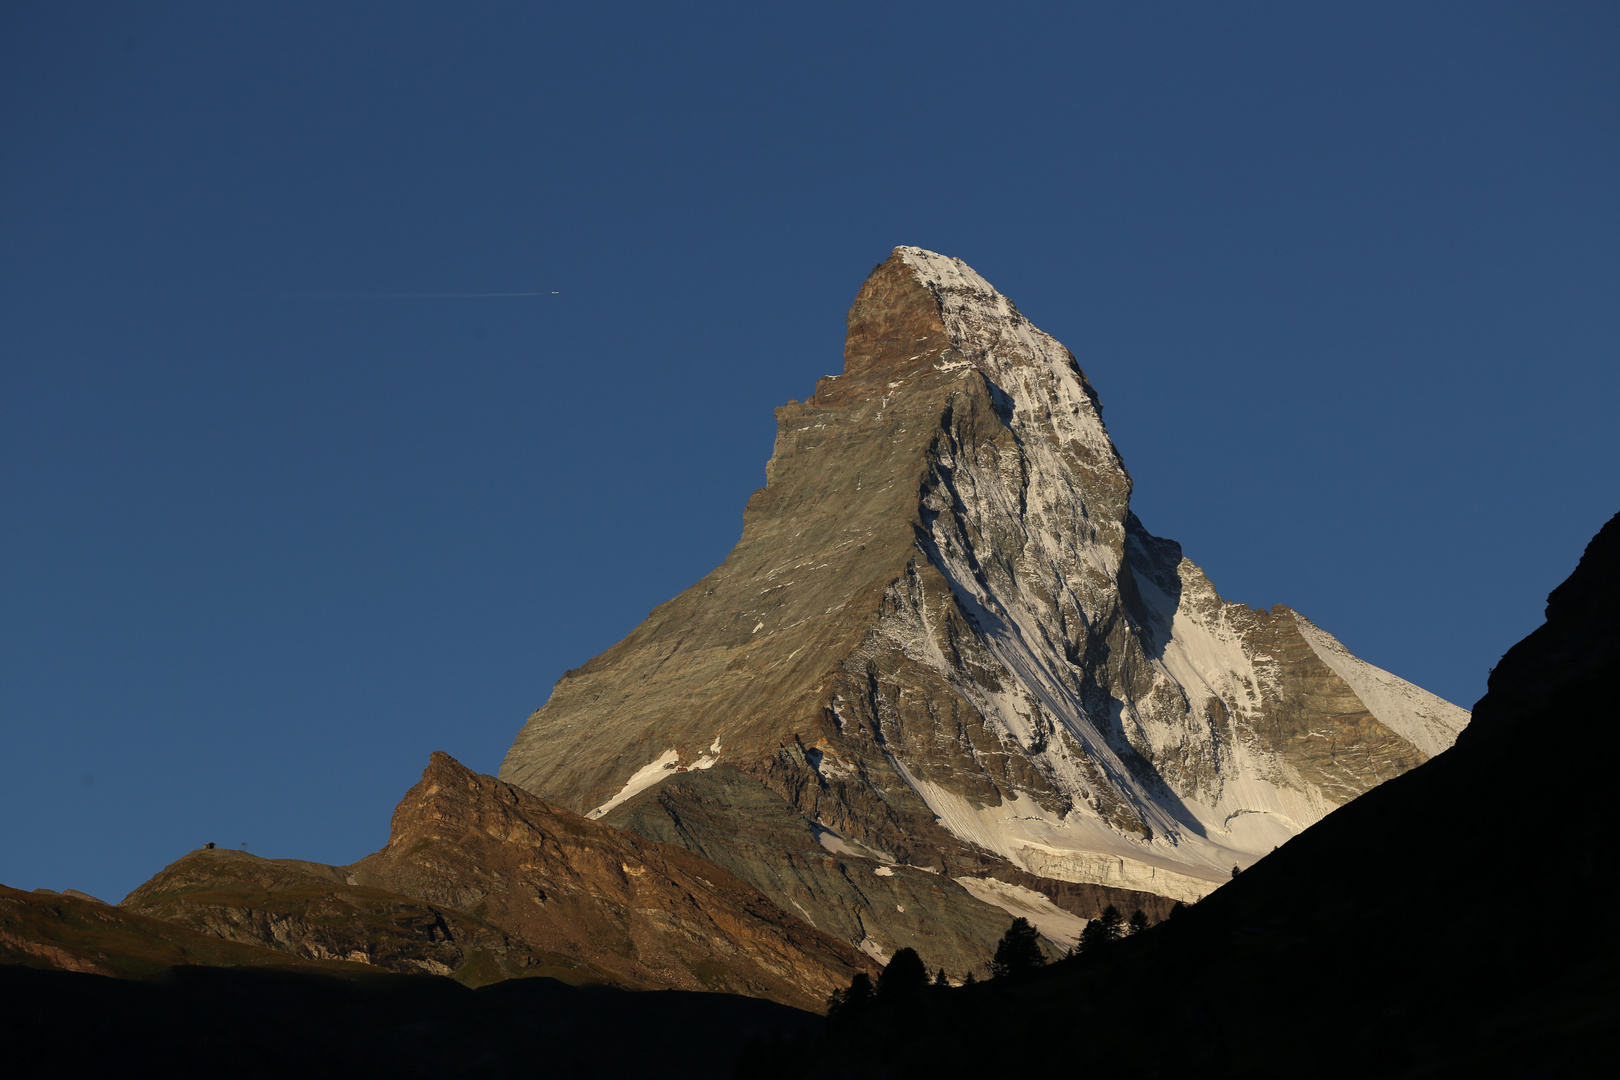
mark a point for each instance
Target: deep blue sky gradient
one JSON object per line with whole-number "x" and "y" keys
{"x": 1345, "y": 278}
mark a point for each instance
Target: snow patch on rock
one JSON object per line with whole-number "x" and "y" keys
{"x": 1428, "y": 722}
{"x": 643, "y": 778}
{"x": 1056, "y": 925}
{"x": 842, "y": 845}
{"x": 874, "y": 950}
{"x": 1075, "y": 847}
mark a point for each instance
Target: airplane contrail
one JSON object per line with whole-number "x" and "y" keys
{"x": 418, "y": 295}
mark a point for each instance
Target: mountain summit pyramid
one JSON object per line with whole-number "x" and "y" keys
{"x": 946, "y": 674}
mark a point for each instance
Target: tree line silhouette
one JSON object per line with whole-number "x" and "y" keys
{"x": 905, "y": 993}
{"x": 1019, "y": 952}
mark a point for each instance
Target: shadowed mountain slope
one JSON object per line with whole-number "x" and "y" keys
{"x": 213, "y": 1022}
{"x": 50, "y": 930}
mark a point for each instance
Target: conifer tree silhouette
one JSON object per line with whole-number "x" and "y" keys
{"x": 846, "y": 1007}
{"x": 904, "y": 976}
{"x": 1019, "y": 951}
{"x": 1107, "y": 927}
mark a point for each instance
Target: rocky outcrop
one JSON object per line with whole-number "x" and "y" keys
{"x": 482, "y": 881}
{"x": 945, "y": 642}
{"x": 66, "y": 932}
{"x": 644, "y": 913}
{"x": 322, "y": 913}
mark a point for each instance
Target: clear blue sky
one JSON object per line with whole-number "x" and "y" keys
{"x": 1346, "y": 278}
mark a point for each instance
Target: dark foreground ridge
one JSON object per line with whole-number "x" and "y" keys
{"x": 1397, "y": 937}
{"x": 207, "y": 1021}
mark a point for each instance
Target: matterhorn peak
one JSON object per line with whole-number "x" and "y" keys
{"x": 946, "y": 673}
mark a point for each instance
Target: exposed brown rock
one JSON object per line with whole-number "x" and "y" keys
{"x": 643, "y": 913}
{"x": 483, "y": 881}
{"x": 320, "y": 912}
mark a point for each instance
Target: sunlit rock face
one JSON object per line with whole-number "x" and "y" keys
{"x": 484, "y": 882}
{"x": 946, "y": 649}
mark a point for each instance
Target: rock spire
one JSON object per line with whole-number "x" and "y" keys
{"x": 946, "y": 658}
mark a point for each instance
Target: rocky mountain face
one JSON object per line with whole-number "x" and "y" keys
{"x": 1451, "y": 922}
{"x": 946, "y": 674}
{"x": 647, "y": 914}
{"x": 483, "y": 882}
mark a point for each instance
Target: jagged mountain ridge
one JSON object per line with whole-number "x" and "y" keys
{"x": 947, "y": 643}
{"x": 483, "y": 882}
